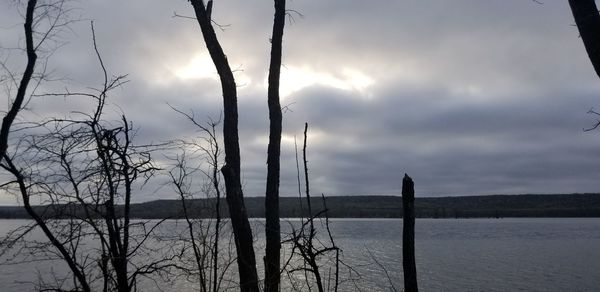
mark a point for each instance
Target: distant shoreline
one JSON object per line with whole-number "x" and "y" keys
{"x": 491, "y": 206}
{"x": 334, "y": 219}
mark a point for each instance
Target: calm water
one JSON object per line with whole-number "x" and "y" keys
{"x": 452, "y": 254}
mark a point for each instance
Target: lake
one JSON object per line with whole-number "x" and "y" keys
{"x": 510, "y": 254}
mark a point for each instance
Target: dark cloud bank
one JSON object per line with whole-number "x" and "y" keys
{"x": 467, "y": 97}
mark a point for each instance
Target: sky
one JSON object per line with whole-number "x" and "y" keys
{"x": 468, "y": 97}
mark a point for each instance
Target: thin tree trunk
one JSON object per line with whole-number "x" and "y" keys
{"x": 127, "y": 208}
{"x": 587, "y": 19}
{"x": 309, "y": 253}
{"x": 215, "y": 178}
{"x": 10, "y": 116}
{"x": 408, "y": 235}
{"x": 306, "y": 180}
{"x": 272, "y": 228}
{"x": 231, "y": 170}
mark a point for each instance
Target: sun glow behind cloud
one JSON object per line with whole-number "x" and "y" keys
{"x": 199, "y": 67}
{"x": 202, "y": 67}
{"x": 295, "y": 78}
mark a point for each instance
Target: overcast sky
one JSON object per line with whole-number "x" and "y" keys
{"x": 467, "y": 96}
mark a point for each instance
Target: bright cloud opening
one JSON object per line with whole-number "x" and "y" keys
{"x": 200, "y": 67}
{"x": 294, "y": 79}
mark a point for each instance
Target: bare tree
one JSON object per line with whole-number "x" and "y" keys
{"x": 231, "y": 170}
{"x": 23, "y": 187}
{"x": 272, "y": 228}
{"x": 35, "y": 36}
{"x": 204, "y": 238}
{"x": 587, "y": 19}
{"x": 308, "y": 248}
{"x": 84, "y": 170}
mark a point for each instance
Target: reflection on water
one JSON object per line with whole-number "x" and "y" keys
{"x": 452, "y": 254}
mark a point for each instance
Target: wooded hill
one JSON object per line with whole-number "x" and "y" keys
{"x": 564, "y": 205}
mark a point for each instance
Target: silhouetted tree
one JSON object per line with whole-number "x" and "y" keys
{"x": 35, "y": 13}
{"x": 408, "y": 235}
{"x": 587, "y": 19}
{"x": 231, "y": 170}
{"x": 309, "y": 249}
{"x": 203, "y": 235}
{"x": 84, "y": 169}
{"x": 272, "y": 228}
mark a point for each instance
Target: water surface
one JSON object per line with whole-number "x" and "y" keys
{"x": 543, "y": 254}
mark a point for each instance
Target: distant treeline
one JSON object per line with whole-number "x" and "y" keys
{"x": 496, "y": 206}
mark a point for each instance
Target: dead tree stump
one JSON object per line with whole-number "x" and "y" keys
{"x": 408, "y": 235}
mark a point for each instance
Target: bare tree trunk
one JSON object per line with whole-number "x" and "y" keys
{"x": 306, "y": 180}
{"x": 308, "y": 251}
{"x": 10, "y": 116}
{"x": 408, "y": 235}
{"x": 215, "y": 181}
{"x": 231, "y": 170}
{"x": 587, "y": 19}
{"x": 272, "y": 228}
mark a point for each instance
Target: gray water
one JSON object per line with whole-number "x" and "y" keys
{"x": 482, "y": 254}
{"x": 452, "y": 255}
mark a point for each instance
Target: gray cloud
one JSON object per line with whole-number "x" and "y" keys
{"x": 467, "y": 97}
